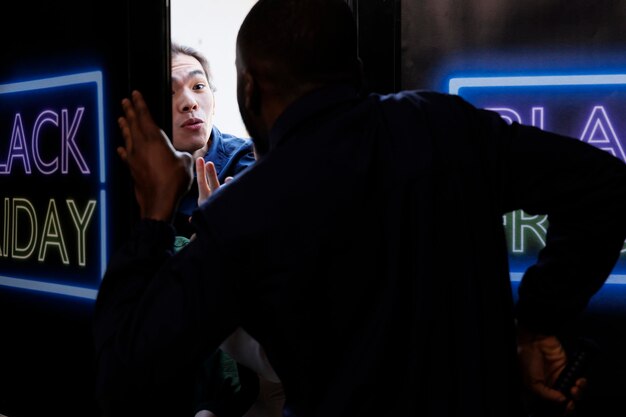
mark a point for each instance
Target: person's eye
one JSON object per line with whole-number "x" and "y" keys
{"x": 199, "y": 86}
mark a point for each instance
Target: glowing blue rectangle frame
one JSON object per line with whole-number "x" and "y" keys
{"x": 63, "y": 81}
{"x": 457, "y": 83}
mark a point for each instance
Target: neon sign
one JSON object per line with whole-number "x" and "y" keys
{"x": 53, "y": 185}
{"x": 587, "y": 107}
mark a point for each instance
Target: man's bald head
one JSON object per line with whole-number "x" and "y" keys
{"x": 296, "y": 45}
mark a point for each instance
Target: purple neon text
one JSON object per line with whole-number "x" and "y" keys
{"x": 598, "y": 128}
{"x": 24, "y": 150}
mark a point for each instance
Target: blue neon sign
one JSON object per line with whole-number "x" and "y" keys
{"x": 53, "y": 185}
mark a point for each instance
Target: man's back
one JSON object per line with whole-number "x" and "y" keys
{"x": 374, "y": 269}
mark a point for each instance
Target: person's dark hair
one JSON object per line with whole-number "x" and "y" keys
{"x": 299, "y": 42}
{"x": 178, "y": 49}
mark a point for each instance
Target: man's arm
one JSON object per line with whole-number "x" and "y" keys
{"x": 582, "y": 189}
{"x": 158, "y": 314}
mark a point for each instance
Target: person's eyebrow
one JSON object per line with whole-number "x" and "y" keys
{"x": 189, "y": 75}
{"x": 196, "y": 72}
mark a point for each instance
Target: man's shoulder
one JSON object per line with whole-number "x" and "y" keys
{"x": 428, "y": 102}
{"x": 229, "y": 138}
{"x": 419, "y": 96}
{"x": 230, "y": 154}
{"x": 231, "y": 144}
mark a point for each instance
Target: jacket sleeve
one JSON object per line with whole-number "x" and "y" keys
{"x": 582, "y": 190}
{"x": 157, "y": 316}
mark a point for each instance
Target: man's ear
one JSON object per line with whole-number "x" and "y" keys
{"x": 252, "y": 94}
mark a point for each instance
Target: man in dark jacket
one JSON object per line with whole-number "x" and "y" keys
{"x": 364, "y": 249}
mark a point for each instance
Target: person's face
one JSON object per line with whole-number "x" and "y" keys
{"x": 193, "y": 105}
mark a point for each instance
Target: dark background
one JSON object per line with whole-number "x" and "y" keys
{"x": 46, "y": 349}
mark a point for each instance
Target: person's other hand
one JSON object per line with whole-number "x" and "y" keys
{"x": 542, "y": 358}
{"x": 208, "y": 182}
{"x": 161, "y": 174}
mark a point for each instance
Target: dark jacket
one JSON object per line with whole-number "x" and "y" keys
{"x": 366, "y": 253}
